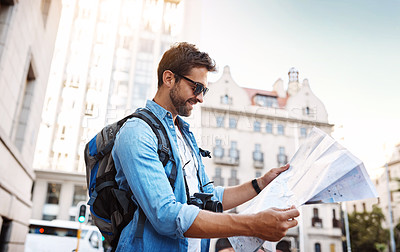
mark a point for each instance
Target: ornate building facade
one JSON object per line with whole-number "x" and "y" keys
{"x": 251, "y": 131}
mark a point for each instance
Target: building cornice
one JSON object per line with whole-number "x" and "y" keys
{"x": 266, "y": 116}
{"x": 54, "y": 175}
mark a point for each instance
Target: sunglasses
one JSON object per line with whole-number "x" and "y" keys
{"x": 198, "y": 88}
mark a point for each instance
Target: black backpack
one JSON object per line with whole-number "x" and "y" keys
{"x": 112, "y": 208}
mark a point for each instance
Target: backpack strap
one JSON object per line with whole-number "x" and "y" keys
{"x": 164, "y": 153}
{"x": 164, "y": 146}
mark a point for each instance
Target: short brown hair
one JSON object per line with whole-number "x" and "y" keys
{"x": 181, "y": 58}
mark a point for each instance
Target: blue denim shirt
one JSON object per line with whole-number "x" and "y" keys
{"x": 138, "y": 167}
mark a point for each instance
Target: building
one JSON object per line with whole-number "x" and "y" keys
{"x": 104, "y": 67}
{"x": 27, "y": 35}
{"x": 387, "y": 180}
{"x": 250, "y": 131}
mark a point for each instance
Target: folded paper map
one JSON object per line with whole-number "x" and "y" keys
{"x": 321, "y": 171}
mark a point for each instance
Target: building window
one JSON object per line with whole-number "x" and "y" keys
{"x": 232, "y": 123}
{"x": 354, "y": 208}
{"x": 281, "y": 130}
{"x": 80, "y": 193}
{"x": 317, "y": 247}
{"x": 282, "y": 157}
{"x": 268, "y": 128}
{"x": 258, "y": 174}
{"x": 316, "y": 221}
{"x": 257, "y": 126}
{"x": 225, "y": 99}
{"x": 233, "y": 180}
{"x": 266, "y": 101}
{"x": 53, "y": 193}
{"x": 332, "y": 247}
{"x": 233, "y": 151}
{"x": 25, "y": 109}
{"x": 218, "y": 179}
{"x": 218, "y": 150}
{"x": 220, "y": 121}
{"x": 257, "y": 154}
{"x": 303, "y": 132}
{"x": 335, "y": 222}
{"x": 364, "y": 207}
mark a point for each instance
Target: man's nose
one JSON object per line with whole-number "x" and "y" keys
{"x": 200, "y": 97}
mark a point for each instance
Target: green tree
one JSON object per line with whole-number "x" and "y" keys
{"x": 366, "y": 232}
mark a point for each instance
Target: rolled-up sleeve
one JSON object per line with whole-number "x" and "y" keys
{"x": 135, "y": 156}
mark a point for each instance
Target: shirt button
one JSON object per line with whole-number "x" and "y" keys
{"x": 171, "y": 126}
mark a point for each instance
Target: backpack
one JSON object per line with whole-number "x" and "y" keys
{"x": 112, "y": 208}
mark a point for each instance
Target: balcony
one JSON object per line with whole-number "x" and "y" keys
{"x": 221, "y": 159}
{"x": 316, "y": 222}
{"x": 258, "y": 158}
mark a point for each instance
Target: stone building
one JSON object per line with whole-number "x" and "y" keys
{"x": 27, "y": 36}
{"x": 250, "y": 131}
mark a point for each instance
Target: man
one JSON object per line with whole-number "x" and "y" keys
{"x": 171, "y": 224}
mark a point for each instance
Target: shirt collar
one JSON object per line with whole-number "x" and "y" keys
{"x": 161, "y": 112}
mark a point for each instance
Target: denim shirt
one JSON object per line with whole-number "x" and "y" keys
{"x": 138, "y": 167}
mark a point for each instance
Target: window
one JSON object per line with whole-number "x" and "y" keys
{"x": 257, "y": 126}
{"x": 25, "y": 109}
{"x": 281, "y": 130}
{"x": 364, "y": 207}
{"x": 303, "y": 132}
{"x": 266, "y": 101}
{"x": 233, "y": 180}
{"x": 233, "y": 151}
{"x": 226, "y": 99}
{"x": 332, "y": 247}
{"x": 317, "y": 247}
{"x": 335, "y": 222}
{"x": 257, "y": 154}
{"x": 220, "y": 121}
{"x": 53, "y": 193}
{"x": 316, "y": 221}
{"x": 218, "y": 179}
{"x": 232, "y": 123}
{"x": 258, "y": 174}
{"x": 282, "y": 157}
{"x": 5, "y": 234}
{"x": 268, "y": 128}
{"x": 80, "y": 193}
{"x": 218, "y": 150}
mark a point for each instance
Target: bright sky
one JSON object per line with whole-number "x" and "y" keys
{"x": 348, "y": 50}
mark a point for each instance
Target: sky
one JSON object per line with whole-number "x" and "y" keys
{"x": 348, "y": 50}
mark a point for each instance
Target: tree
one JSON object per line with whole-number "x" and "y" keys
{"x": 366, "y": 232}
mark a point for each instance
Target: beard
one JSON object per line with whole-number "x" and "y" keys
{"x": 182, "y": 106}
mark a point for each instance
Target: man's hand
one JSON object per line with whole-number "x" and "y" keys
{"x": 271, "y": 175}
{"x": 273, "y": 223}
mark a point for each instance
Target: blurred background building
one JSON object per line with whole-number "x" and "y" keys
{"x": 251, "y": 131}
{"x": 27, "y": 35}
{"x": 104, "y": 68}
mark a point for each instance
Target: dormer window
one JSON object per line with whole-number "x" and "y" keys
{"x": 266, "y": 101}
{"x": 225, "y": 99}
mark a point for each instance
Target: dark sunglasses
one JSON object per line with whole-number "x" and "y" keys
{"x": 198, "y": 88}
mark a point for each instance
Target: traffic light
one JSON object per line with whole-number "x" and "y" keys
{"x": 82, "y": 213}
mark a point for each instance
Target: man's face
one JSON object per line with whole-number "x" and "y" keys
{"x": 181, "y": 94}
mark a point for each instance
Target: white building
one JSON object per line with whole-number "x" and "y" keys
{"x": 104, "y": 67}
{"x": 251, "y": 131}
{"x": 27, "y": 35}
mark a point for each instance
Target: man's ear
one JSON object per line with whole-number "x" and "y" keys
{"x": 168, "y": 78}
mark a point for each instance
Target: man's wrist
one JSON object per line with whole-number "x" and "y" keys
{"x": 255, "y": 185}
